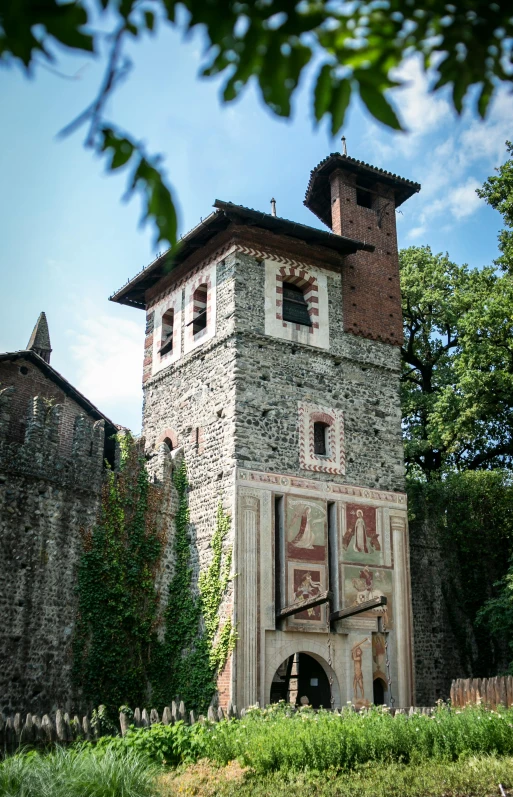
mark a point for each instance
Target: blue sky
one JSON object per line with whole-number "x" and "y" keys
{"x": 68, "y": 241}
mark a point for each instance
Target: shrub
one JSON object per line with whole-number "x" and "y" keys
{"x": 276, "y": 739}
{"x": 77, "y": 773}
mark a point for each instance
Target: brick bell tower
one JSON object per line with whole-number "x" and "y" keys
{"x": 272, "y": 362}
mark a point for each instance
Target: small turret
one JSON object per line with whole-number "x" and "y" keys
{"x": 40, "y": 339}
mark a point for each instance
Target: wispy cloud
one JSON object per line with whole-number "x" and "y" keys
{"x": 107, "y": 352}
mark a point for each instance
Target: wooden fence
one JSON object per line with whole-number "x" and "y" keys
{"x": 490, "y": 692}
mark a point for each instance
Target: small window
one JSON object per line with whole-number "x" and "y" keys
{"x": 363, "y": 198}
{"x": 199, "y": 310}
{"x": 166, "y": 340}
{"x": 168, "y": 442}
{"x": 320, "y": 439}
{"x": 295, "y": 307}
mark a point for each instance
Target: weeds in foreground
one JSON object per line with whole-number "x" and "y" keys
{"x": 474, "y": 776}
{"x": 82, "y": 772}
{"x": 271, "y": 740}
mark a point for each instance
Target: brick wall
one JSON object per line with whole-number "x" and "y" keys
{"x": 371, "y": 288}
{"x": 30, "y": 384}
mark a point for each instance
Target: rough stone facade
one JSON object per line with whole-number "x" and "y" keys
{"x": 47, "y": 499}
{"x": 232, "y": 397}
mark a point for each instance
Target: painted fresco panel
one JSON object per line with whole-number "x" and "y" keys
{"x": 364, "y": 583}
{"x": 306, "y": 529}
{"x": 303, "y": 583}
{"x": 306, "y": 545}
{"x": 362, "y": 541}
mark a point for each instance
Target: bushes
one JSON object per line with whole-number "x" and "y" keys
{"x": 270, "y": 740}
{"x": 83, "y": 772}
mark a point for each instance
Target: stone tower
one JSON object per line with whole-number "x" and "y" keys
{"x": 272, "y": 360}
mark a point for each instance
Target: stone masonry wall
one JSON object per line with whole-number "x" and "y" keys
{"x": 46, "y": 501}
{"x": 194, "y": 399}
{"x": 358, "y": 376}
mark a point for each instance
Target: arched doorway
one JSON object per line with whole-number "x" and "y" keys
{"x": 379, "y": 692}
{"x": 301, "y": 680}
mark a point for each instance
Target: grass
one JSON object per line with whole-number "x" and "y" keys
{"x": 277, "y": 753}
{"x": 471, "y": 777}
{"x": 78, "y": 773}
{"x": 271, "y": 740}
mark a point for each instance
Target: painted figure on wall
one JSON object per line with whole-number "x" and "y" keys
{"x": 362, "y": 584}
{"x": 361, "y": 539}
{"x": 304, "y": 538}
{"x": 304, "y": 584}
{"x": 357, "y": 655}
{"x": 378, "y": 656}
{"x": 305, "y": 522}
{"x": 308, "y": 589}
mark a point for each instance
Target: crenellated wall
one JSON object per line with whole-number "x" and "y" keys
{"x": 47, "y": 501}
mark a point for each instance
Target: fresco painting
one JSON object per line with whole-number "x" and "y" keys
{"x": 379, "y": 657}
{"x": 304, "y": 583}
{"x": 306, "y": 531}
{"x": 365, "y": 583}
{"x": 359, "y": 699}
{"x": 361, "y": 541}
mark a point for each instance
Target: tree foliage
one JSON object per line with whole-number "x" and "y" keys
{"x": 498, "y": 192}
{"x": 457, "y": 357}
{"x": 357, "y": 47}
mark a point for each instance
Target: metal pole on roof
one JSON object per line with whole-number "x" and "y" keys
{"x": 273, "y": 207}
{"x": 344, "y": 147}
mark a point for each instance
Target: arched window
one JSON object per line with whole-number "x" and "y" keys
{"x": 199, "y": 309}
{"x": 166, "y": 340}
{"x": 379, "y": 691}
{"x": 168, "y": 442}
{"x": 295, "y": 307}
{"x": 321, "y": 438}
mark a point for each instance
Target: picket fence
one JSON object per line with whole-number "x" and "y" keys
{"x": 491, "y": 692}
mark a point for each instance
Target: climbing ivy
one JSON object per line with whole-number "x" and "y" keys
{"x": 119, "y": 655}
{"x": 193, "y": 652}
{"x": 117, "y": 599}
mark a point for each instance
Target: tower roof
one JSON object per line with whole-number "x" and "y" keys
{"x": 318, "y": 195}
{"x": 225, "y": 214}
{"x": 40, "y": 338}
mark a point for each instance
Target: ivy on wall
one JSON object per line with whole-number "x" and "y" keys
{"x": 119, "y": 656}
{"x": 117, "y": 599}
{"x": 194, "y": 650}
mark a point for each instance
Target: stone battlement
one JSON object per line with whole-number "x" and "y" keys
{"x": 39, "y": 455}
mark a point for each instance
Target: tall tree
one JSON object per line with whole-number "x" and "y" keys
{"x": 498, "y": 192}
{"x": 359, "y": 44}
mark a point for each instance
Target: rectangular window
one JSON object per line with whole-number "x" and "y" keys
{"x": 321, "y": 439}
{"x": 166, "y": 339}
{"x": 199, "y": 311}
{"x": 363, "y": 198}
{"x": 295, "y": 306}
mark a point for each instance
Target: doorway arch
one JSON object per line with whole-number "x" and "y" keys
{"x": 315, "y": 651}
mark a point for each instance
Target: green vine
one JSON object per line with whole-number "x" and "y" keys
{"x": 119, "y": 655}
{"x": 192, "y": 652}
{"x": 117, "y": 600}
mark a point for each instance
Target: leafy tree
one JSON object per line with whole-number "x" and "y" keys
{"x": 498, "y": 192}
{"x": 359, "y": 44}
{"x": 457, "y": 380}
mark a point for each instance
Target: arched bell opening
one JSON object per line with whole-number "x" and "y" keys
{"x": 379, "y": 691}
{"x": 301, "y": 680}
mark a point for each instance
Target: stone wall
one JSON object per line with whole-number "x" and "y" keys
{"x": 46, "y": 501}
{"x": 357, "y": 376}
{"x": 193, "y": 400}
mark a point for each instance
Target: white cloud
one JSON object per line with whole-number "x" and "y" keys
{"x": 108, "y": 355}
{"x": 463, "y": 200}
{"x": 416, "y": 232}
